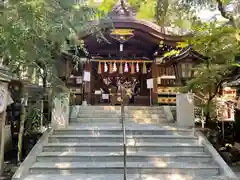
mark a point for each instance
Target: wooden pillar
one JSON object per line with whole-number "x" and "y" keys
{"x": 155, "y": 85}
{"x": 87, "y": 86}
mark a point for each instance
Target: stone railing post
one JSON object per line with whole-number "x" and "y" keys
{"x": 60, "y": 111}
{"x": 185, "y": 110}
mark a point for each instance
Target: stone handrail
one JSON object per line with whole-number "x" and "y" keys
{"x": 224, "y": 168}
{"x": 23, "y": 170}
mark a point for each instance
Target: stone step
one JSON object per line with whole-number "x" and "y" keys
{"x": 131, "y": 147}
{"x": 119, "y": 131}
{"x": 141, "y": 157}
{"x": 119, "y": 138}
{"x": 75, "y": 114}
{"x": 118, "y": 110}
{"x": 140, "y": 120}
{"x": 115, "y": 115}
{"x": 108, "y": 111}
{"x": 120, "y": 177}
{"x": 130, "y": 126}
{"x": 116, "y": 107}
{"x": 77, "y": 111}
{"x": 114, "y": 125}
{"x": 157, "y": 167}
{"x": 118, "y": 123}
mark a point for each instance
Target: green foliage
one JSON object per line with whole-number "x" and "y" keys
{"x": 33, "y": 34}
{"x": 171, "y": 53}
{"x": 218, "y": 43}
{"x": 207, "y": 78}
{"x": 182, "y": 45}
{"x": 35, "y": 31}
{"x": 33, "y": 119}
{"x": 146, "y": 10}
{"x": 219, "y": 46}
{"x": 106, "y": 6}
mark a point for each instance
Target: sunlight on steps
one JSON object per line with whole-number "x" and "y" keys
{"x": 91, "y": 148}
{"x": 119, "y": 177}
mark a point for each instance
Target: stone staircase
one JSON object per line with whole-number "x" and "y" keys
{"x": 91, "y": 148}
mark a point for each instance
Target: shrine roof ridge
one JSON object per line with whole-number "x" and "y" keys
{"x": 137, "y": 24}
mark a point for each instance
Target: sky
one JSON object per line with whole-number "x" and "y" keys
{"x": 207, "y": 14}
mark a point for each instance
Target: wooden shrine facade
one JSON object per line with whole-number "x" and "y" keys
{"x": 128, "y": 52}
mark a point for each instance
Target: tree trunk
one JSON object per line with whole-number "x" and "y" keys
{"x": 44, "y": 84}
{"x": 225, "y": 14}
{"x": 208, "y": 119}
{"x": 45, "y": 98}
{"x": 21, "y": 132}
{"x": 207, "y": 114}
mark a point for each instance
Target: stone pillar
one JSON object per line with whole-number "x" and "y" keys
{"x": 87, "y": 85}
{"x": 60, "y": 111}
{"x": 4, "y": 102}
{"x": 185, "y": 110}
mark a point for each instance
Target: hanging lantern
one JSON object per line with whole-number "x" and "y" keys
{"x": 110, "y": 68}
{"x": 121, "y": 68}
{"x": 99, "y": 68}
{"x": 126, "y": 67}
{"x": 114, "y": 67}
{"x": 144, "y": 68}
{"x": 132, "y": 68}
{"x": 105, "y": 67}
{"x": 137, "y": 68}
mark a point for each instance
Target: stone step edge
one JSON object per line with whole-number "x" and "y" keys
{"x": 142, "y": 154}
{"x": 129, "y": 177}
{"x": 127, "y": 136}
{"x": 120, "y": 145}
{"x": 168, "y": 165}
{"x": 119, "y": 128}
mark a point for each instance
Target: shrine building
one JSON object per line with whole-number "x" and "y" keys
{"x": 130, "y": 52}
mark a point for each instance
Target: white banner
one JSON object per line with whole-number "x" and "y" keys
{"x": 150, "y": 83}
{"x": 87, "y": 76}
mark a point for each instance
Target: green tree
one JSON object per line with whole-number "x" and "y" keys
{"x": 219, "y": 47}
{"x": 33, "y": 34}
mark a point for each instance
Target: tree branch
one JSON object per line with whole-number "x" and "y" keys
{"x": 225, "y": 14}
{"x": 216, "y": 90}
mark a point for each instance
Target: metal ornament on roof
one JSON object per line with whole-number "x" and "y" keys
{"x": 122, "y": 35}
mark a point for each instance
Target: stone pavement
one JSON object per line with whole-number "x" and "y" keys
{"x": 236, "y": 169}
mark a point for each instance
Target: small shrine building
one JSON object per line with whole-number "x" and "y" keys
{"x": 131, "y": 52}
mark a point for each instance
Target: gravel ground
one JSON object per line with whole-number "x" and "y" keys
{"x": 9, "y": 170}
{"x": 236, "y": 169}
